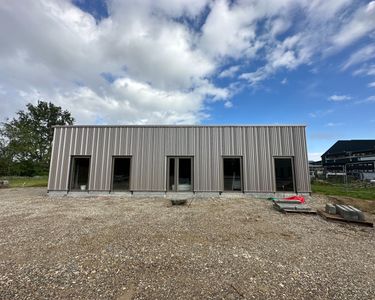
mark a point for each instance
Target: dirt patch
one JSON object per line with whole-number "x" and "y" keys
{"x": 126, "y": 248}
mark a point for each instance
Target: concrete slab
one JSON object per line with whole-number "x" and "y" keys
{"x": 348, "y": 213}
{"x": 331, "y": 209}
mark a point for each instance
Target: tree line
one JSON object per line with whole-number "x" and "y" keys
{"x": 26, "y": 139}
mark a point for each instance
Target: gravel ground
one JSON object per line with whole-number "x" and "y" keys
{"x": 126, "y": 248}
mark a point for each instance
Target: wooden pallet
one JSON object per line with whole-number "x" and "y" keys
{"x": 338, "y": 218}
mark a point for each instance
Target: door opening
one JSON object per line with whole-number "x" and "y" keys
{"x": 180, "y": 174}
{"x": 121, "y": 174}
{"x": 232, "y": 170}
{"x": 284, "y": 174}
{"x": 171, "y": 175}
{"x": 79, "y": 176}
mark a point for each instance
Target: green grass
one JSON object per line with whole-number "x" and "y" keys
{"x": 367, "y": 193}
{"x": 37, "y": 181}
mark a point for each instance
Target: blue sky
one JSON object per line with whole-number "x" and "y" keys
{"x": 196, "y": 62}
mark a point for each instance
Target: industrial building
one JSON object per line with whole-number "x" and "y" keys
{"x": 351, "y": 157}
{"x": 171, "y": 159}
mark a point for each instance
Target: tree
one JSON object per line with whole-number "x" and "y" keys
{"x": 28, "y": 137}
{"x": 4, "y": 164}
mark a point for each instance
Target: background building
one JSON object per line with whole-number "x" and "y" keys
{"x": 251, "y": 159}
{"x": 351, "y": 157}
{"x": 316, "y": 169}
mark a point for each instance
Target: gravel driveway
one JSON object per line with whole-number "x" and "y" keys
{"x": 127, "y": 248}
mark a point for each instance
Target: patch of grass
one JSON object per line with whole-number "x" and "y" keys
{"x": 329, "y": 189}
{"x": 37, "y": 181}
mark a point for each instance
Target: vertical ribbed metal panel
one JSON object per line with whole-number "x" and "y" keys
{"x": 301, "y": 160}
{"x": 63, "y": 157}
{"x": 250, "y": 162}
{"x": 149, "y": 147}
{"x": 53, "y": 160}
{"x": 207, "y": 158}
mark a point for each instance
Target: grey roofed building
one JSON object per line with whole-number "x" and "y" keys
{"x": 163, "y": 158}
{"x": 351, "y": 157}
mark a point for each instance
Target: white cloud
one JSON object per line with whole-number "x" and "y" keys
{"x": 364, "y": 54}
{"x": 370, "y": 99}
{"x": 339, "y": 98}
{"x": 57, "y": 52}
{"x": 315, "y": 156}
{"x": 228, "y": 104}
{"x": 230, "y": 72}
{"x": 284, "y": 81}
{"x": 228, "y": 30}
{"x": 362, "y": 22}
{"x": 328, "y": 27}
{"x": 321, "y": 113}
{"x": 255, "y": 77}
{"x": 157, "y": 67}
{"x": 332, "y": 124}
{"x": 371, "y": 84}
{"x": 367, "y": 70}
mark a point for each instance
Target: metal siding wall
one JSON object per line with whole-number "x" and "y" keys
{"x": 149, "y": 147}
{"x": 64, "y": 159}
{"x": 232, "y": 141}
{"x": 257, "y": 163}
{"x": 301, "y": 160}
{"x": 57, "y": 154}
{"x": 250, "y": 162}
{"x": 207, "y": 159}
{"x": 53, "y": 160}
{"x": 148, "y": 159}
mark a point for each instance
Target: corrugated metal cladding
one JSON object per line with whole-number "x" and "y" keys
{"x": 149, "y": 147}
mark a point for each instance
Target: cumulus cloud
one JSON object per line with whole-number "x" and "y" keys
{"x": 157, "y": 61}
{"x": 60, "y": 53}
{"x": 339, "y": 98}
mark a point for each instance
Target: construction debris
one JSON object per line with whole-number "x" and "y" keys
{"x": 349, "y": 212}
{"x": 331, "y": 209}
{"x": 338, "y": 218}
{"x": 292, "y": 199}
{"x": 291, "y": 206}
{"x": 344, "y": 213}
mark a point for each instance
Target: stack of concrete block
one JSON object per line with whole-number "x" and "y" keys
{"x": 331, "y": 209}
{"x": 290, "y": 206}
{"x": 349, "y": 212}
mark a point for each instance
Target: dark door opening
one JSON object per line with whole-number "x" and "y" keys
{"x": 121, "y": 174}
{"x": 184, "y": 174}
{"x": 284, "y": 174}
{"x": 232, "y": 174}
{"x": 80, "y": 173}
{"x": 171, "y": 174}
{"x": 180, "y": 174}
